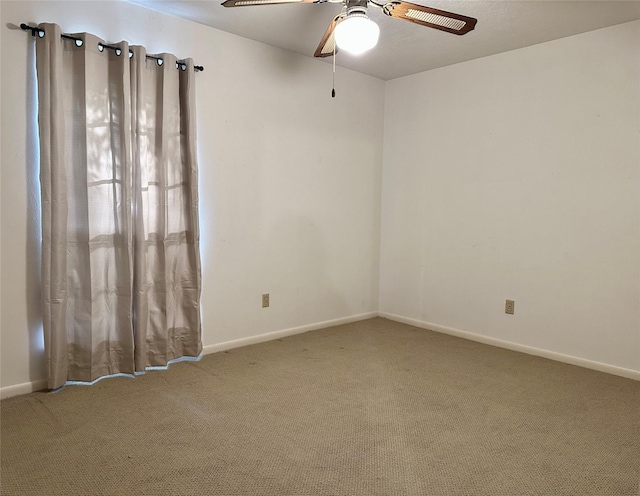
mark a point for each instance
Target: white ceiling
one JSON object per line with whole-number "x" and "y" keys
{"x": 406, "y": 48}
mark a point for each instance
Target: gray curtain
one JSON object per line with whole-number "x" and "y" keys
{"x": 120, "y": 237}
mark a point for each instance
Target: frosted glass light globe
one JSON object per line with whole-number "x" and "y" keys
{"x": 357, "y": 34}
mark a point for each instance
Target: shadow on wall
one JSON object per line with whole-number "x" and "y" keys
{"x": 37, "y": 362}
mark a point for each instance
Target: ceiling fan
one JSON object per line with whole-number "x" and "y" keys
{"x": 353, "y": 31}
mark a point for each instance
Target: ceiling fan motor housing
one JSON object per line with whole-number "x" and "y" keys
{"x": 357, "y": 6}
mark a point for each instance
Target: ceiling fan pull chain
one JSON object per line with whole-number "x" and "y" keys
{"x": 333, "y": 88}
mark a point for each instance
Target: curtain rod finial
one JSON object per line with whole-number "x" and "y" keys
{"x": 26, "y": 27}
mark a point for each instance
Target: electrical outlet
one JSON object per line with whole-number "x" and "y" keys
{"x": 510, "y": 307}
{"x": 265, "y": 300}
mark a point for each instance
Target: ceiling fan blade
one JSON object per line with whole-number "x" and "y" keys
{"x": 246, "y": 3}
{"x": 433, "y": 18}
{"x": 328, "y": 42}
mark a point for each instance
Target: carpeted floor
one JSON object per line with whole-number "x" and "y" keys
{"x": 370, "y": 408}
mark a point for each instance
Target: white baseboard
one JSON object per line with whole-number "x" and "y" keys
{"x": 529, "y": 350}
{"x": 24, "y": 388}
{"x": 269, "y": 336}
{"x": 29, "y": 387}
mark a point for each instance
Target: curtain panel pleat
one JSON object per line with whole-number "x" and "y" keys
{"x": 120, "y": 237}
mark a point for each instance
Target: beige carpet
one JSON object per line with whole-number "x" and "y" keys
{"x": 371, "y": 408}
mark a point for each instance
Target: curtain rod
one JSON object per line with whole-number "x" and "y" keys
{"x": 35, "y": 30}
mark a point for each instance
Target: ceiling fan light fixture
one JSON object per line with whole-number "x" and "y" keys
{"x": 357, "y": 33}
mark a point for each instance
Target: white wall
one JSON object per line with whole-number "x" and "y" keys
{"x": 290, "y": 179}
{"x": 517, "y": 176}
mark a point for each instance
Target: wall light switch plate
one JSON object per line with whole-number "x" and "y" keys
{"x": 265, "y": 300}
